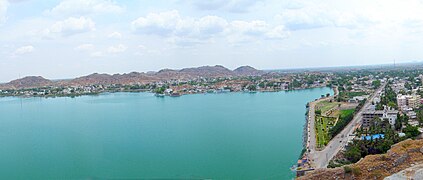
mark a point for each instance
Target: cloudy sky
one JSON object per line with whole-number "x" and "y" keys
{"x": 62, "y": 39}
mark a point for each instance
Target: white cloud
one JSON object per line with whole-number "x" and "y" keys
{"x": 188, "y": 31}
{"x": 244, "y": 31}
{"x": 24, "y": 50}
{"x": 210, "y": 25}
{"x": 97, "y": 54}
{"x": 117, "y": 49}
{"x": 164, "y": 23}
{"x": 85, "y": 47}
{"x": 3, "y": 10}
{"x": 142, "y": 47}
{"x": 318, "y": 16}
{"x": 70, "y": 27}
{"x": 170, "y": 23}
{"x": 235, "y": 6}
{"x": 116, "y": 35}
{"x": 83, "y": 7}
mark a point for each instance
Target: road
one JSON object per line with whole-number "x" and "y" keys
{"x": 320, "y": 159}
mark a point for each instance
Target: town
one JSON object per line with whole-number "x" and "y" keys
{"x": 372, "y": 111}
{"x": 268, "y": 82}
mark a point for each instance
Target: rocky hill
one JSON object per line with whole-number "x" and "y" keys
{"x": 136, "y": 77}
{"x": 406, "y": 154}
{"x": 96, "y": 78}
{"x": 27, "y": 82}
{"x": 208, "y": 71}
{"x": 247, "y": 71}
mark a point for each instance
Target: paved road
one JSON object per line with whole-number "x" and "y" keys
{"x": 320, "y": 159}
{"x": 311, "y": 139}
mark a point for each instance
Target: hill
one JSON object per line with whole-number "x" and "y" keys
{"x": 401, "y": 156}
{"x": 247, "y": 71}
{"x": 27, "y": 82}
{"x": 136, "y": 77}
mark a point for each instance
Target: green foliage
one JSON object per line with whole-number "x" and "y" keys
{"x": 420, "y": 116}
{"x": 360, "y": 148}
{"x": 356, "y": 171}
{"x": 347, "y": 169}
{"x": 353, "y": 154}
{"x": 411, "y": 131}
{"x": 344, "y": 119}
{"x": 376, "y": 84}
{"x": 160, "y": 90}
{"x": 252, "y": 87}
{"x": 389, "y": 98}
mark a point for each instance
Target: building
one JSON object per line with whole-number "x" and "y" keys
{"x": 408, "y": 101}
{"x": 401, "y": 101}
{"x": 387, "y": 114}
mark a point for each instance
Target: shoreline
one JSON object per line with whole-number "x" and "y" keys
{"x": 151, "y": 91}
{"x": 304, "y": 165}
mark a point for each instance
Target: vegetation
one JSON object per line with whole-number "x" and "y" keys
{"x": 376, "y": 84}
{"x": 411, "y": 131}
{"x": 360, "y": 148}
{"x": 346, "y": 95}
{"x": 388, "y": 99}
{"x": 326, "y": 105}
{"x": 344, "y": 118}
{"x": 160, "y": 90}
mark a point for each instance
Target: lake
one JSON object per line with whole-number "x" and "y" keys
{"x": 138, "y": 135}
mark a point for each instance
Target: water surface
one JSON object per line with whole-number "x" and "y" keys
{"x": 137, "y": 135}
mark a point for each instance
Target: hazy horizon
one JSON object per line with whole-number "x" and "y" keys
{"x": 60, "y": 39}
{"x": 274, "y": 69}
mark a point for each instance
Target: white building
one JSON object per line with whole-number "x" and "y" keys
{"x": 408, "y": 101}
{"x": 387, "y": 114}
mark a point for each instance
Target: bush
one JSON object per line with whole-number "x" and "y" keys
{"x": 347, "y": 169}
{"x": 356, "y": 171}
{"x": 411, "y": 131}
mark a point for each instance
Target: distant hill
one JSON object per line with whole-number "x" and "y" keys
{"x": 208, "y": 71}
{"x": 248, "y": 71}
{"x": 136, "y": 77}
{"x": 27, "y": 82}
{"x": 131, "y": 78}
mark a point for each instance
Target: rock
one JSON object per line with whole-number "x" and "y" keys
{"x": 418, "y": 174}
{"x": 400, "y": 160}
{"x": 414, "y": 172}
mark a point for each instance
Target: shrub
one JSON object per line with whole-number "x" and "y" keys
{"x": 356, "y": 171}
{"x": 347, "y": 169}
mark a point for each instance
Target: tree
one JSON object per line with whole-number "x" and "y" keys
{"x": 353, "y": 154}
{"x": 160, "y": 90}
{"x": 376, "y": 84}
{"x": 411, "y": 131}
{"x": 252, "y": 87}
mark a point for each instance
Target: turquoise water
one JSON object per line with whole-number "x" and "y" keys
{"x": 137, "y": 135}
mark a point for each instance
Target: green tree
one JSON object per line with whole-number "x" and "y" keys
{"x": 353, "y": 154}
{"x": 411, "y": 131}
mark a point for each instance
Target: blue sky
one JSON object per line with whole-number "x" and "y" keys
{"x": 69, "y": 38}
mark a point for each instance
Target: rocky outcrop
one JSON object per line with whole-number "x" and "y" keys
{"x": 131, "y": 78}
{"x": 248, "y": 71}
{"x": 401, "y": 156}
{"x": 414, "y": 172}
